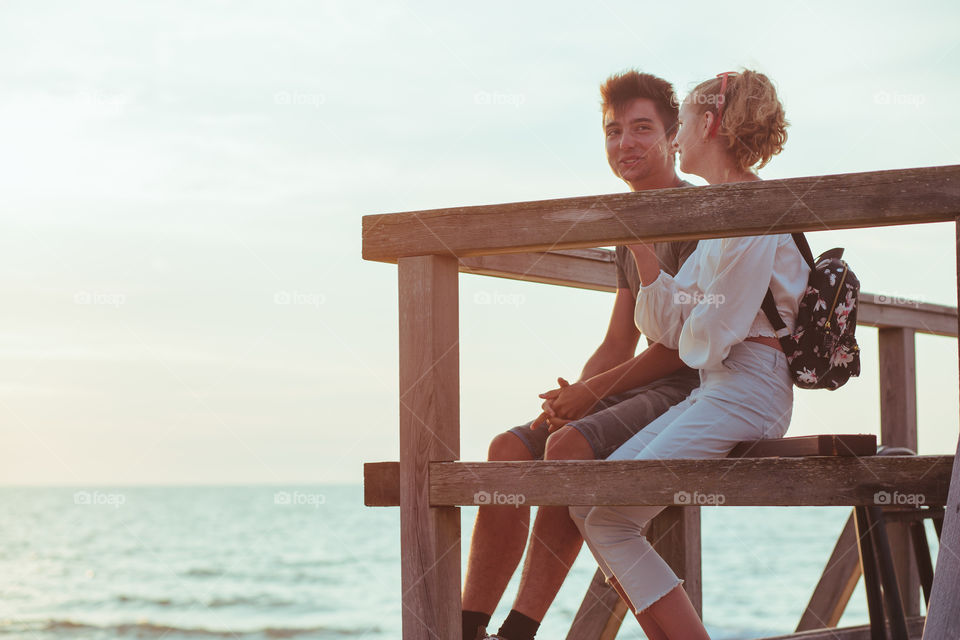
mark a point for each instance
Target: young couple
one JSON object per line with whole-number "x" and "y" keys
{"x": 699, "y": 304}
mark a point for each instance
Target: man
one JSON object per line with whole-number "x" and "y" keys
{"x": 618, "y": 392}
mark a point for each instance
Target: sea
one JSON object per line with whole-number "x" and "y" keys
{"x": 312, "y": 562}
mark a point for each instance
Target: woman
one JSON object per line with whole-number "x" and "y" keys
{"x": 711, "y": 312}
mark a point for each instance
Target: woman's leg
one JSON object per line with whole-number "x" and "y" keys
{"x": 628, "y": 451}
{"x": 742, "y": 402}
{"x": 673, "y": 616}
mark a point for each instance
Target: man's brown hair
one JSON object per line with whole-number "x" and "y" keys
{"x": 621, "y": 88}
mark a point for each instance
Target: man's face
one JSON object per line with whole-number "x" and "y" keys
{"x": 637, "y": 148}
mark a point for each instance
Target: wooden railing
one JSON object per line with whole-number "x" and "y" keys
{"x": 543, "y": 241}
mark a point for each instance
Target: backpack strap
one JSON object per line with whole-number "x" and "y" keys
{"x": 801, "y": 242}
{"x": 769, "y": 305}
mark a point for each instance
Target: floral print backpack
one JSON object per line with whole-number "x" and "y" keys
{"x": 822, "y": 352}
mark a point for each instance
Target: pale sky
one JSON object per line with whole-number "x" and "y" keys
{"x": 181, "y": 187}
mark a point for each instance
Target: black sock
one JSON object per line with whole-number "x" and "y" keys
{"x": 474, "y": 621}
{"x": 518, "y": 627}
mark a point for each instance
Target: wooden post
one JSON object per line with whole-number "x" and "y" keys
{"x": 898, "y": 428}
{"x": 429, "y": 431}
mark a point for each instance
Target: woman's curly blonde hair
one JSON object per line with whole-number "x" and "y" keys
{"x": 751, "y": 118}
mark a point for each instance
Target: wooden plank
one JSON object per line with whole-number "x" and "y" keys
{"x": 862, "y": 632}
{"x": 836, "y": 585}
{"x": 600, "y": 614}
{"x": 594, "y": 269}
{"x": 381, "y": 484}
{"x": 429, "y": 431}
{"x": 816, "y": 445}
{"x": 582, "y": 268}
{"x": 898, "y": 428}
{"x": 879, "y": 310}
{"x": 814, "y": 481}
{"x": 845, "y": 201}
{"x": 675, "y": 536}
{"x": 866, "y": 470}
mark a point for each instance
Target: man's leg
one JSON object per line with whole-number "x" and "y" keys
{"x": 499, "y": 536}
{"x": 556, "y": 541}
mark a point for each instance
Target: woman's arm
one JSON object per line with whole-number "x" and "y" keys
{"x": 730, "y": 301}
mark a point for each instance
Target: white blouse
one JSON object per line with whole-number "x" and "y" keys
{"x": 714, "y": 301}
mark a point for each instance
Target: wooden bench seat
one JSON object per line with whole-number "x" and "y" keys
{"x": 808, "y": 470}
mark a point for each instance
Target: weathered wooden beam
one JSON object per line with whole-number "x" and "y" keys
{"x": 594, "y": 269}
{"x": 815, "y": 203}
{"x": 884, "y": 311}
{"x": 912, "y": 473}
{"x": 814, "y": 481}
{"x": 898, "y": 428}
{"x": 862, "y": 632}
{"x": 582, "y": 268}
{"x": 836, "y": 585}
{"x": 429, "y": 431}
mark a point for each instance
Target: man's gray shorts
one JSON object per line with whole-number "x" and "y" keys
{"x": 616, "y": 418}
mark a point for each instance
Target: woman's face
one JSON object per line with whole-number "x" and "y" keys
{"x": 691, "y": 138}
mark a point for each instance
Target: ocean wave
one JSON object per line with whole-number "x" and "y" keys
{"x": 70, "y": 628}
{"x": 212, "y": 603}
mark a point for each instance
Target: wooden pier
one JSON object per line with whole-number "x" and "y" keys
{"x": 551, "y": 242}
